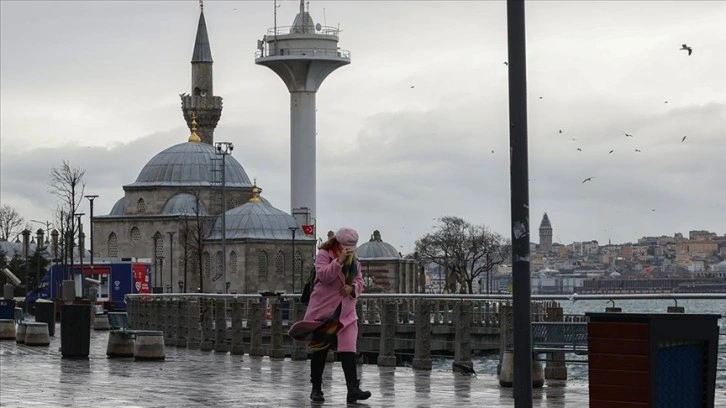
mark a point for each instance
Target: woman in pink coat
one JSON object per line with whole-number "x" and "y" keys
{"x": 338, "y": 283}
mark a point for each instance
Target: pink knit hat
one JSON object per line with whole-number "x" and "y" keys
{"x": 347, "y": 236}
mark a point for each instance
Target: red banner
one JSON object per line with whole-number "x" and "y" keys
{"x": 309, "y": 230}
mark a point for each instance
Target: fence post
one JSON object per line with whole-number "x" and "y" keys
{"x": 237, "y": 336}
{"x": 220, "y": 326}
{"x": 422, "y": 351}
{"x": 207, "y": 343}
{"x": 462, "y": 346}
{"x": 555, "y": 368}
{"x": 169, "y": 322}
{"x": 386, "y": 354}
{"x": 255, "y": 320}
{"x": 276, "y": 344}
{"x": 181, "y": 323}
{"x": 195, "y": 335}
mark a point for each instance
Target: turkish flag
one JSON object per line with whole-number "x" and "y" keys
{"x": 309, "y": 229}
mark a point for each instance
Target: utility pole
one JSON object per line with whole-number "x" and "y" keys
{"x": 519, "y": 192}
{"x": 224, "y": 149}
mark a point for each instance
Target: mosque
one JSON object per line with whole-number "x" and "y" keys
{"x": 205, "y": 226}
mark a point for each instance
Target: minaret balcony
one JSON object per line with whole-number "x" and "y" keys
{"x": 271, "y": 51}
{"x": 319, "y": 30}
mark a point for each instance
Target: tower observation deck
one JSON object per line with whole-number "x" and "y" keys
{"x": 302, "y": 55}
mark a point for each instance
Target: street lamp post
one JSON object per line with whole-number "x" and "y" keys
{"x": 171, "y": 260}
{"x": 26, "y": 248}
{"x": 90, "y": 198}
{"x": 293, "y": 230}
{"x": 224, "y": 149}
{"x": 80, "y": 281}
{"x": 40, "y": 246}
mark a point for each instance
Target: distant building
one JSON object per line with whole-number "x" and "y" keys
{"x": 385, "y": 270}
{"x": 545, "y": 235}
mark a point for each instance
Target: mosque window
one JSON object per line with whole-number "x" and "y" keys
{"x": 158, "y": 245}
{"x": 231, "y": 203}
{"x": 218, "y": 264}
{"x": 141, "y": 206}
{"x": 262, "y": 265}
{"x": 112, "y": 245}
{"x": 280, "y": 263}
{"x": 135, "y": 234}
{"x": 233, "y": 263}
{"x": 297, "y": 266}
{"x": 206, "y": 264}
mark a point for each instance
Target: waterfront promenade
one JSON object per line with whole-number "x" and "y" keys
{"x": 39, "y": 377}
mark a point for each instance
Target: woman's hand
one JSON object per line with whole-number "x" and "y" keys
{"x": 346, "y": 290}
{"x": 344, "y": 253}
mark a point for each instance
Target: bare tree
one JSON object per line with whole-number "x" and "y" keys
{"x": 10, "y": 222}
{"x": 66, "y": 182}
{"x": 465, "y": 251}
{"x": 192, "y": 240}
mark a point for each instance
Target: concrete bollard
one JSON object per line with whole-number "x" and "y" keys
{"x": 20, "y": 332}
{"x": 7, "y": 329}
{"x": 506, "y": 376}
{"x": 149, "y": 345}
{"x": 120, "y": 344}
{"x": 36, "y": 334}
{"x": 386, "y": 354}
{"x": 101, "y": 322}
{"x": 422, "y": 352}
{"x": 556, "y": 368}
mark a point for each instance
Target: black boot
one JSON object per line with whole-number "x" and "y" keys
{"x": 317, "y": 365}
{"x": 350, "y": 370}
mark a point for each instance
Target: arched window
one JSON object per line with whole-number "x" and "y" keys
{"x": 233, "y": 263}
{"x": 197, "y": 91}
{"x": 262, "y": 265}
{"x": 218, "y": 265}
{"x": 297, "y": 265}
{"x": 135, "y": 234}
{"x": 206, "y": 264}
{"x": 280, "y": 263}
{"x": 112, "y": 245}
{"x": 158, "y": 245}
{"x": 141, "y": 206}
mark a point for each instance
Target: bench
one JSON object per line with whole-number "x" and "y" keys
{"x": 551, "y": 337}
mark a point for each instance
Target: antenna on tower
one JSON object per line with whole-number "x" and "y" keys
{"x": 201, "y": 5}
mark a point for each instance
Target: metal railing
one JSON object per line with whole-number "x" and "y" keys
{"x": 284, "y": 30}
{"x": 307, "y": 52}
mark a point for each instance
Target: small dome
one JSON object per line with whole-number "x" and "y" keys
{"x": 119, "y": 208}
{"x": 721, "y": 266}
{"x": 191, "y": 164}
{"x": 377, "y": 249}
{"x": 184, "y": 203}
{"x": 257, "y": 220}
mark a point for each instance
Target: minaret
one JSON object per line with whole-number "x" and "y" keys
{"x": 545, "y": 234}
{"x": 303, "y": 55}
{"x": 208, "y": 108}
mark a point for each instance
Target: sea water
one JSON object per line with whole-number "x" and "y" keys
{"x": 577, "y": 365}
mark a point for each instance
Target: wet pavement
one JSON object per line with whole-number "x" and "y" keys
{"x": 39, "y": 377}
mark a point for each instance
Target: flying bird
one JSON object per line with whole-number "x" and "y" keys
{"x": 540, "y": 97}
{"x": 628, "y": 135}
{"x": 587, "y": 179}
{"x": 412, "y": 86}
{"x": 637, "y": 150}
{"x": 573, "y": 139}
{"x": 579, "y": 150}
{"x": 684, "y": 139}
{"x": 611, "y": 151}
{"x": 560, "y": 131}
{"x": 685, "y": 47}
{"x": 492, "y": 151}
{"x": 506, "y": 63}
{"x": 665, "y": 102}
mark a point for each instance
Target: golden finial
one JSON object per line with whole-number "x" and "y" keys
{"x": 194, "y": 137}
{"x": 255, "y": 193}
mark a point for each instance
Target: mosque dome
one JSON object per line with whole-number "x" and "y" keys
{"x": 184, "y": 203}
{"x": 190, "y": 164}
{"x": 377, "y": 249}
{"x": 119, "y": 208}
{"x": 256, "y": 219}
{"x": 721, "y": 266}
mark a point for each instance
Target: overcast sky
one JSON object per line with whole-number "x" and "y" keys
{"x": 97, "y": 84}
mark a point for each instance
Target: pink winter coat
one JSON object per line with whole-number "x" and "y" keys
{"x": 326, "y": 296}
